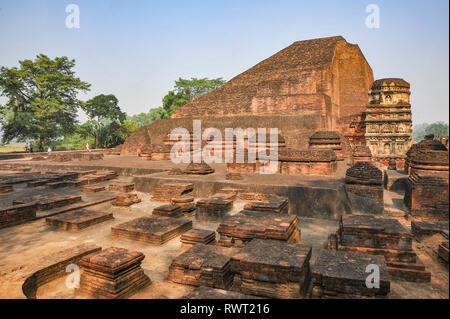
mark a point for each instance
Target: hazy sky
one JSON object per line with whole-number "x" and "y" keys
{"x": 136, "y": 49}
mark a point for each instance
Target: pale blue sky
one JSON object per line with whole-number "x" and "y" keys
{"x": 136, "y": 49}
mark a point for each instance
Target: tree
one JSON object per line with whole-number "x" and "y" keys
{"x": 41, "y": 99}
{"x": 419, "y": 132}
{"x": 186, "y": 91}
{"x": 438, "y": 129}
{"x": 102, "y": 109}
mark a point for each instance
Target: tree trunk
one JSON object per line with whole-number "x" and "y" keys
{"x": 41, "y": 144}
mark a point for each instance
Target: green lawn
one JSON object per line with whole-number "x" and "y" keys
{"x": 13, "y": 147}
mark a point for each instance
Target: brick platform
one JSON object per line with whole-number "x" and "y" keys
{"x": 239, "y": 229}
{"x": 203, "y": 265}
{"x": 307, "y": 161}
{"x": 275, "y": 204}
{"x": 213, "y": 208}
{"x": 198, "y": 169}
{"x": 17, "y": 214}
{"x": 6, "y": 189}
{"x": 364, "y": 187}
{"x": 52, "y": 266}
{"x": 427, "y": 196}
{"x": 340, "y": 274}
{"x": 234, "y": 177}
{"x": 121, "y": 187}
{"x": 253, "y": 196}
{"x": 112, "y": 273}
{"x": 272, "y": 269}
{"x": 164, "y": 192}
{"x": 155, "y": 230}
{"x": 93, "y": 189}
{"x": 125, "y": 200}
{"x": 78, "y": 220}
{"x": 384, "y": 237}
{"x": 443, "y": 252}
{"x": 46, "y": 202}
{"x": 168, "y": 211}
{"x": 198, "y": 236}
{"x": 421, "y": 229}
{"x": 186, "y": 202}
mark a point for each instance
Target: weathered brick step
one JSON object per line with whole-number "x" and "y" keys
{"x": 53, "y": 266}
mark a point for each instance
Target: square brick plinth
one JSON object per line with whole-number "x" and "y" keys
{"x": 156, "y": 230}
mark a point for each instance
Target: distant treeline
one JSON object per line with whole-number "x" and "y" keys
{"x": 437, "y": 128}
{"x": 42, "y": 107}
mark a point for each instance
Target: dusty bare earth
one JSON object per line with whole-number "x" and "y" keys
{"x": 22, "y": 245}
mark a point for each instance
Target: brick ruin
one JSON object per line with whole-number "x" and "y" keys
{"x": 307, "y": 161}
{"x": 364, "y": 187}
{"x": 238, "y": 234}
{"x": 427, "y": 193}
{"x": 327, "y": 140}
{"x": 388, "y": 119}
{"x": 361, "y": 153}
{"x": 384, "y": 237}
{"x": 112, "y": 273}
{"x": 312, "y": 85}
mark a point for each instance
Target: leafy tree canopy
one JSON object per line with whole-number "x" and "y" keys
{"x": 102, "y": 110}
{"x": 186, "y": 91}
{"x": 41, "y": 99}
{"x": 437, "y": 128}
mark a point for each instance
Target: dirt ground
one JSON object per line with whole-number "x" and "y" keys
{"x": 23, "y": 244}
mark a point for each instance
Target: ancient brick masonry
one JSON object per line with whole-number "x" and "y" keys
{"x": 307, "y": 161}
{"x": 6, "y": 188}
{"x": 327, "y": 140}
{"x": 361, "y": 153}
{"x": 45, "y": 202}
{"x": 198, "y": 236}
{"x": 145, "y": 152}
{"x": 272, "y": 269}
{"x": 93, "y": 189}
{"x": 165, "y": 192}
{"x": 213, "y": 209}
{"x": 239, "y": 229}
{"x": 121, "y": 187}
{"x": 203, "y": 265}
{"x": 427, "y": 196}
{"x": 198, "y": 169}
{"x": 388, "y": 118}
{"x": 275, "y": 204}
{"x": 341, "y": 274}
{"x": 78, "y": 220}
{"x": 428, "y": 144}
{"x": 52, "y": 266}
{"x": 312, "y": 85}
{"x": 155, "y": 230}
{"x": 364, "y": 187}
{"x": 113, "y": 273}
{"x": 384, "y": 237}
{"x": 429, "y": 162}
{"x": 186, "y": 202}
{"x": 443, "y": 252}
{"x": 125, "y": 200}
{"x": 168, "y": 211}
{"x": 17, "y": 214}
{"x": 421, "y": 229}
